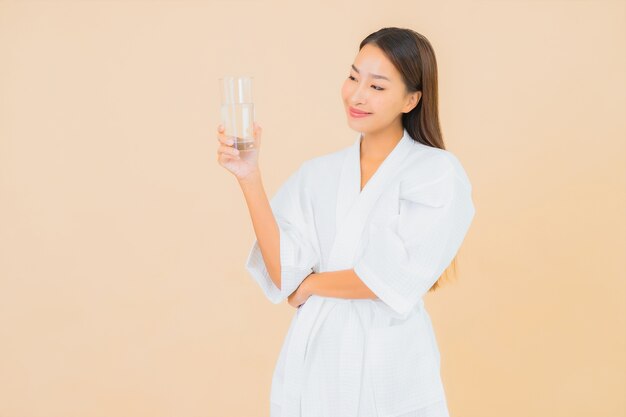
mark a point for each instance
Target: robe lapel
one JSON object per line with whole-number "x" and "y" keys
{"x": 349, "y": 182}
{"x": 354, "y": 206}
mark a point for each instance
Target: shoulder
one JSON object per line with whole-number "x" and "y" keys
{"x": 433, "y": 176}
{"x": 328, "y": 160}
{"x": 428, "y": 164}
{"x": 325, "y": 165}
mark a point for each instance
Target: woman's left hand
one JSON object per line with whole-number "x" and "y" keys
{"x": 300, "y": 295}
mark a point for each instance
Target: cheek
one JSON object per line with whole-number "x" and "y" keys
{"x": 346, "y": 90}
{"x": 383, "y": 104}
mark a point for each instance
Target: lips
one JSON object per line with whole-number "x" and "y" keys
{"x": 354, "y": 113}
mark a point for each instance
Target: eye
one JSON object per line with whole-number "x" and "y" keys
{"x": 375, "y": 87}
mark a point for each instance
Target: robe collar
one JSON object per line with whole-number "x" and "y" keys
{"x": 350, "y": 181}
{"x": 354, "y": 205}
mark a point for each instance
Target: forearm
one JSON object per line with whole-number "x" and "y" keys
{"x": 264, "y": 224}
{"x": 340, "y": 284}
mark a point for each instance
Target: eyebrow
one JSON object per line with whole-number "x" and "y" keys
{"x": 373, "y": 75}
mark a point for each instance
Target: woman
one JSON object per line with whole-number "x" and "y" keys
{"x": 355, "y": 238}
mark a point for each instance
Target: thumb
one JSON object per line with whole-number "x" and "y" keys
{"x": 258, "y": 132}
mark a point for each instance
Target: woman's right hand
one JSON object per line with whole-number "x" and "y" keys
{"x": 240, "y": 163}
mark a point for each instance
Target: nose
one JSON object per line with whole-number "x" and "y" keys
{"x": 358, "y": 95}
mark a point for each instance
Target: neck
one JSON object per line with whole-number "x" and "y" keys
{"x": 377, "y": 145}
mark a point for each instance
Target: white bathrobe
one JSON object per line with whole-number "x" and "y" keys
{"x": 365, "y": 357}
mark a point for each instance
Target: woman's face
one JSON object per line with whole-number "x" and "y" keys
{"x": 375, "y": 86}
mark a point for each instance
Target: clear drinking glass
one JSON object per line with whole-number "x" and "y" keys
{"x": 237, "y": 111}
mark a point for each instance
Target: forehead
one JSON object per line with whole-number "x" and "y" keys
{"x": 371, "y": 59}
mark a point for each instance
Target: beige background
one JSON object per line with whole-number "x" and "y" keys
{"x": 122, "y": 241}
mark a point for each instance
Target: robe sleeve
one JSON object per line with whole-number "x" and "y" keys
{"x": 405, "y": 255}
{"x": 298, "y": 254}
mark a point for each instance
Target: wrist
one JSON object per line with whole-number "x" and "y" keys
{"x": 308, "y": 284}
{"x": 252, "y": 178}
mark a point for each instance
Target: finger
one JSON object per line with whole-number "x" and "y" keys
{"x": 229, "y": 150}
{"x": 258, "y": 132}
{"x": 226, "y": 140}
{"x": 221, "y": 134}
{"x": 222, "y": 137}
{"x": 223, "y": 158}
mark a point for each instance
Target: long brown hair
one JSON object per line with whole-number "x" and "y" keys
{"x": 413, "y": 56}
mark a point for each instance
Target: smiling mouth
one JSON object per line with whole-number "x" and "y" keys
{"x": 356, "y": 111}
{"x": 357, "y": 114}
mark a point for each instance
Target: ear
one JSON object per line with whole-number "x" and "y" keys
{"x": 412, "y": 101}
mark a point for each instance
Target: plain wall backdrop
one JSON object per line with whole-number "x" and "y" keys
{"x": 122, "y": 240}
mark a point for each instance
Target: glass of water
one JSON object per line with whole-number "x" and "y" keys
{"x": 237, "y": 111}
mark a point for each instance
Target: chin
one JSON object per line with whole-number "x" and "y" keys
{"x": 357, "y": 124}
{"x": 357, "y": 127}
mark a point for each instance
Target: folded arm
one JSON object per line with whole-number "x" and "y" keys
{"x": 339, "y": 284}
